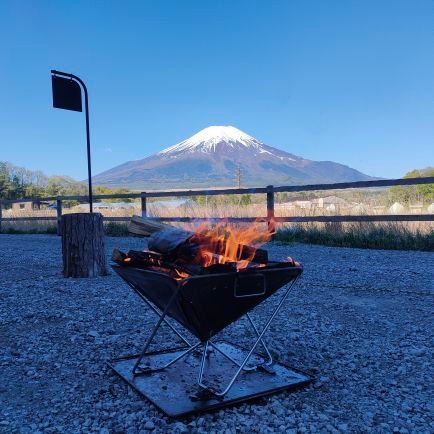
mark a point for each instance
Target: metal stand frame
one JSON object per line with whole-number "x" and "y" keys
{"x": 188, "y": 348}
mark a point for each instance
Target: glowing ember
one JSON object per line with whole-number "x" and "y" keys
{"x": 181, "y": 274}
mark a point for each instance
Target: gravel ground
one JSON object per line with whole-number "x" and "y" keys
{"x": 361, "y": 320}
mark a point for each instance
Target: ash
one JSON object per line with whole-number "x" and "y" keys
{"x": 360, "y": 320}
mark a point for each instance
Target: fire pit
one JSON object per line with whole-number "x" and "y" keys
{"x": 204, "y": 287}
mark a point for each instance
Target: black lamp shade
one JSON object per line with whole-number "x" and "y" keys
{"x": 66, "y": 94}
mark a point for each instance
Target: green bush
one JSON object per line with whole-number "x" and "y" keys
{"x": 14, "y": 231}
{"x": 114, "y": 229}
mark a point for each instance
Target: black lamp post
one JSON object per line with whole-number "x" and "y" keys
{"x": 67, "y": 96}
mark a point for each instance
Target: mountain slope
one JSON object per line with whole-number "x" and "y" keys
{"x": 211, "y": 157}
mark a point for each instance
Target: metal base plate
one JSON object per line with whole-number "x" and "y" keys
{"x": 171, "y": 389}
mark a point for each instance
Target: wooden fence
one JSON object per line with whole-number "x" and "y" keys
{"x": 269, "y": 191}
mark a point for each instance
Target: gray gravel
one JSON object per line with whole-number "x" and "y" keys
{"x": 361, "y": 320}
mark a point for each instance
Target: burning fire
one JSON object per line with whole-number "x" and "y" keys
{"x": 220, "y": 248}
{"x": 224, "y": 243}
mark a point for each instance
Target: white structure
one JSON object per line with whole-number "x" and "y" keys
{"x": 108, "y": 205}
{"x": 431, "y": 208}
{"x": 331, "y": 203}
{"x": 285, "y": 206}
{"x": 173, "y": 203}
{"x": 396, "y": 208}
{"x": 303, "y": 204}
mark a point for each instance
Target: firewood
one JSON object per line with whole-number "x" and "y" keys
{"x": 167, "y": 241}
{"x": 139, "y": 259}
{"x": 118, "y": 256}
{"x": 145, "y": 226}
{"x": 259, "y": 256}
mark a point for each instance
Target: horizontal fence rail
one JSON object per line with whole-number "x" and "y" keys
{"x": 269, "y": 191}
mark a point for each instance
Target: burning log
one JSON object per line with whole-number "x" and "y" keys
{"x": 207, "y": 250}
{"x": 190, "y": 245}
{"x": 166, "y": 239}
{"x": 156, "y": 261}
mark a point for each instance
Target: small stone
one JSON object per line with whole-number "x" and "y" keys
{"x": 149, "y": 425}
{"x": 417, "y": 352}
{"x": 94, "y": 334}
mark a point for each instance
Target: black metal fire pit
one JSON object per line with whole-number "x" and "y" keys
{"x": 205, "y": 305}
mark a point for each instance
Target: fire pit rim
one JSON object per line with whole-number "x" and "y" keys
{"x": 184, "y": 280}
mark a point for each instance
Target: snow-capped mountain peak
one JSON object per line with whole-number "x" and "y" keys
{"x": 208, "y": 140}
{"x": 214, "y": 155}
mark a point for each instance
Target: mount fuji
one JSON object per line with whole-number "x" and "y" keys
{"x": 211, "y": 157}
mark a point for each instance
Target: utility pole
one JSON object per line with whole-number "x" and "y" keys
{"x": 238, "y": 176}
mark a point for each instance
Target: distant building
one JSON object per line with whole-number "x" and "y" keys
{"x": 286, "y": 206}
{"x": 108, "y": 205}
{"x": 173, "y": 203}
{"x": 303, "y": 204}
{"x": 30, "y": 205}
{"x": 330, "y": 202}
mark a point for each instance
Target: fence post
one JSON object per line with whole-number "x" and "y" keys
{"x": 143, "y": 201}
{"x": 59, "y": 216}
{"x": 271, "y": 225}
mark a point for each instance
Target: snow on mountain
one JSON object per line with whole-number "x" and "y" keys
{"x": 209, "y": 139}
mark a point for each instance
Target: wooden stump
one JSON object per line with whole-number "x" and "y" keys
{"x": 83, "y": 245}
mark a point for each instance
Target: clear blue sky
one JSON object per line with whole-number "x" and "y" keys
{"x": 350, "y": 81}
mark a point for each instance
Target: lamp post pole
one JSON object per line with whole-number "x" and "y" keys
{"x": 86, "y": 106}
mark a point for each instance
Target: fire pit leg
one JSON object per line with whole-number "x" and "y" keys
{"x": 202, "y": 363}
{"x": 268, "y": 362}
{"x": 177, "y": 332}
{"x": 270, "y": 358}
{"x": 246, "y": 359}
{"x": 154, "y": 332}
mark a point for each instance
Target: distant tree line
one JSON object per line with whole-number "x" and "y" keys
{"x": 227, "y": 199}
{"x": 414, "y": 193}
{"x": 20, "y": 183}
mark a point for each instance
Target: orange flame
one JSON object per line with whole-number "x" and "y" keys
{"x": 180, "y": 274}
{"x": 225, "y": 243}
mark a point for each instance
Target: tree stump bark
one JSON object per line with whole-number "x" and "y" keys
{"x": 83, "y": 245}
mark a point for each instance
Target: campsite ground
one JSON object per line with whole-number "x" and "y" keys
{"x": 361, "y": 320}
